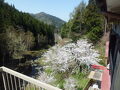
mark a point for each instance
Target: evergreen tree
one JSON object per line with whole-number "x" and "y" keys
{"x": 85, "y": 21}
{"x": 93, "y": 22}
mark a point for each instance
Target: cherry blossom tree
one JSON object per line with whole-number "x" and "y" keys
{"x": 72, "y": 55}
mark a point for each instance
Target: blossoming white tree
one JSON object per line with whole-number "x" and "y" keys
{"x": 71, "y": 55}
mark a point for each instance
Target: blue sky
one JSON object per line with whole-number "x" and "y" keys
{"x": 58, "y": 8}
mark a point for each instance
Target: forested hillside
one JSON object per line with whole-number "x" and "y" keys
{"x": 49, "y": 19}
{"x": 27, "y": 45}
{"x": 20, "y": 32}
{"x": 85, "y": 21}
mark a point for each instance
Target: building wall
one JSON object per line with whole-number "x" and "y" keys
{"x": 114, "y": 56}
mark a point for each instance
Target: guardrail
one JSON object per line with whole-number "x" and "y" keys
{"x": 13, "y": 80}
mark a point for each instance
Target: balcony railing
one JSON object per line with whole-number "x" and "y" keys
{"x": 13, "y": 80}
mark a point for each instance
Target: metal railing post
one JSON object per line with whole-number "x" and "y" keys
{"x": 15, "y": 83}
{"x": 8, "y": 81}
{"x": 11, "y": 82}
{"x": 4, "y": 82}
{"x": 19, "y": 83}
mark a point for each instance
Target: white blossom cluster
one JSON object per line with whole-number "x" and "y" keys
{"x": 62, "y": 58}
{"x": 44, "y": 77}
{"x": 70, "y": 84}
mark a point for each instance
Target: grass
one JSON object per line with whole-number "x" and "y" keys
{"x": 80, "y": 77}
{"x": 40, "y": 61}
{"x": 31, "y": 87}
{"x": 48, "y": 70}
{"x": 101, "y": 48}
{"x": 82, "y": 80}
{"x": 35, "y": 53}
{"x": 60, "y": 80}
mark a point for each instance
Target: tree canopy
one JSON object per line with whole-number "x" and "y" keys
{"x": 85, "y": 21}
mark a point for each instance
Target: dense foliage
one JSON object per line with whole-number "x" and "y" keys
{"x": 85, "y": 21}
{"x": 20, "y": 32}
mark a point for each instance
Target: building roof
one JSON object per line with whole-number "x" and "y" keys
{"x": 110, "y": 8}
{"x": 113, "y": 6}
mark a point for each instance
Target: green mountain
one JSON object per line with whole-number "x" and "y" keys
{"x": 49, "y": 19}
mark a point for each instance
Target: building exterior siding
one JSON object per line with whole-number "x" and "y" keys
{"x": 114, "y": 57}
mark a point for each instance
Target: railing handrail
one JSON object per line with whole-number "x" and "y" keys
{"x": 28, "y": 79}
